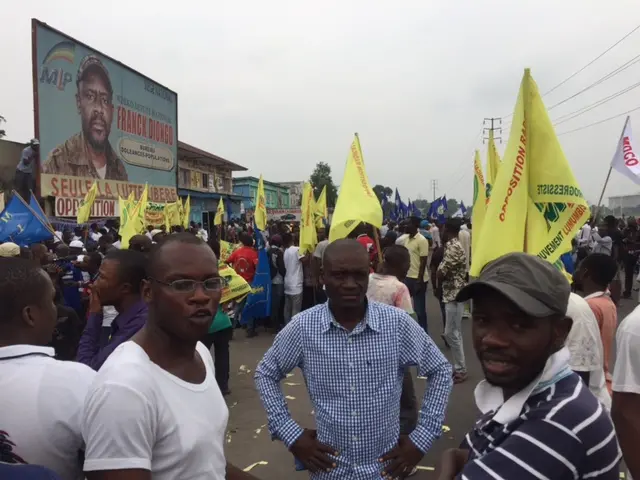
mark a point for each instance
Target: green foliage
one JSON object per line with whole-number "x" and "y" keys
{"x": 320, "y": 177}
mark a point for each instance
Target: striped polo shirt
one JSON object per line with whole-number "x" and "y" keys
{"x": 553, "y": 429}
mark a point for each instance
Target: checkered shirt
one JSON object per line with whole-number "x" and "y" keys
{"x": 354, "y": 380}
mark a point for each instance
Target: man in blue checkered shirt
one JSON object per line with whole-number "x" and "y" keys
{"x": 353, "y": 354}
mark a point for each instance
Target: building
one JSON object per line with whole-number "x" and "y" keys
{"x": 276, "y": 195}
{"x": 625, "y": 204}
{"x": 206, "y": 177}
{"x": 295, "y": 192}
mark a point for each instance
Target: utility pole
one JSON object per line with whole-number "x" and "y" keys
{"x": 434, "y": 187}
{"x": 493, "y": 122}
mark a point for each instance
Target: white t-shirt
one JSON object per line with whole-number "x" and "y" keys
{"x": 294, "y": 278}
{"x": 95, "y": 236}
{"x": 41, "y": 404}
{"x": 585, "y": 347}
{"x": 139, "y": 416}
{"x": 626, "y": 374}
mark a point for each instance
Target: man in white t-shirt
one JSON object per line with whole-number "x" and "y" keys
{"x": 41, "y": 398}
{"x": 155, "y": 409}
{"x": 293, "y": 278}
{"x": 585, "y": 348}
{"x": 625, "y": 410}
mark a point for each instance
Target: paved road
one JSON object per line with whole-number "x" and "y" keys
{"x": 248, "y": 439}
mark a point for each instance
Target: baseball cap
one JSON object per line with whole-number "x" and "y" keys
{"x": 9, "y": 249}
{"x": 424, "y": 224}
{"x": 93, "y": 63}
{"x": 534, "y": 285}
{"x": 76, "y": 244}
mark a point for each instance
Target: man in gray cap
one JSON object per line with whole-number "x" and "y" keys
{"x": 89, "y": 153}
{"x": 539, "y": 420}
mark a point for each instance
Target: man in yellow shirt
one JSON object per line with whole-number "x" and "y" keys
{"x": 418, "y": 275}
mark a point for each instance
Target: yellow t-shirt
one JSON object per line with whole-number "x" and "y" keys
{"x": 418, "y": 247}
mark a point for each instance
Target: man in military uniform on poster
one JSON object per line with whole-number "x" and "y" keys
{"x": 89, "y": 153}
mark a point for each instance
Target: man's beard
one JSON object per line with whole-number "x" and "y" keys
{"x": 97, "y": 145}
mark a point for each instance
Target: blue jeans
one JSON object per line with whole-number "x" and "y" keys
{"x": 419, "y": 302}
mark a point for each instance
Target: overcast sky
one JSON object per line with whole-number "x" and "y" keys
{"x": 278, "y": 86}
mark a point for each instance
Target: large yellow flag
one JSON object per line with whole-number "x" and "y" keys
{"x": 84, "y": 210}
{"x": 186, "y": 212}
{"x": 536, "y": 204}
{"x": 322, "y": 212}
{"x": 356, "y": 202}
{"x": 308, "y": 235}
{"x": 218, "y": 219}
{"x": 493, "y": 164}
{"x": 172, "y": 215}
{"x": 479, "y": 203}
{"x": 260, "y": 213}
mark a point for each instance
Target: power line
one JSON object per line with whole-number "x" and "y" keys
{"x": 587, "y": 65}
{"x": 609, "y": 75}
{"x": 602, "y": 101}
{"x": 592, "y": 61}
{"x": 599, "y": 122}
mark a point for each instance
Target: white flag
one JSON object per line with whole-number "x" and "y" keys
{"x": 626, "y": 160}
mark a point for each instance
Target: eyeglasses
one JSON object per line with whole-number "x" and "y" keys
{"x": 214, "y": 284}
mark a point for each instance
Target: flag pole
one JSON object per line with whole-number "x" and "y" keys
{"x": 595, "y": 217}
{"x": 609, "y": 173}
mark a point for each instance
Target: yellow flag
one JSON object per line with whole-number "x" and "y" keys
{"x": 186, "y": 212}
{"x": 536, "y": 204}
{"x": 493, "y": 164}
{"x": 356, "y": 202}
{"x": 308, "y": 234}
{"x": 84, "y": 210}
{"x": 123, "y": 206}
{"x": 226, "y": 249}
{"x": 322, "y": 212}
{"x": 131, "y": 197}
{"x": 172, "y": 215}
{"x": 219, "y": 218}
{"x": 135, "y": 219}
{"x": 260, "y": 213}
{"x": 479, "y": 203}
{"x": 236, "y": 287}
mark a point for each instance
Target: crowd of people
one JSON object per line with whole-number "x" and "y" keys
{"x": 106, "y": 366}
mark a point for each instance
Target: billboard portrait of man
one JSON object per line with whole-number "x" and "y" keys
{"x": 88, "y": 153}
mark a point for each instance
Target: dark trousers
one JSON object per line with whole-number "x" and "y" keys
{"x": 419, "y": 302}
{"x": 277, "y": 302}
{"x": 629, "y": 273}
{"x": 408, "y": 406}
{"x": 220, "y": 341}
{"x": 321, "y": 295}
{"x": 308, "y": 297}
{"x": 23, "y": 183}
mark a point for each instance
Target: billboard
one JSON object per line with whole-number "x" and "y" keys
{"x": 98, "y": 119}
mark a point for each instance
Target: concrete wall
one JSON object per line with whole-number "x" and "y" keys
{"x": 9, "y": 157}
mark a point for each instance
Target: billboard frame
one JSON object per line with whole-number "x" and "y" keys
{"x": 35, "y": 23}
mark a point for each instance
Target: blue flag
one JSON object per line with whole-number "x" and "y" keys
{"x": 259, "y": 300}
{"x": 19, "y": 225}
{"x": 463, "y": 209}
{"x": 415, "y": 211}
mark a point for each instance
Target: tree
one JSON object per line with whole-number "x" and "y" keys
{"x": 320, "y": 178}
{"x": 452, "y": 206}
{"x": 2, "y": 132}
{"x": 381, "y": 192}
